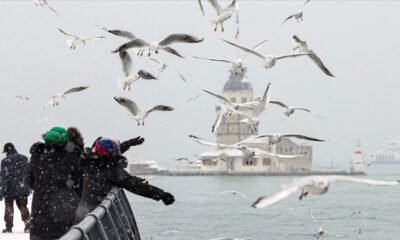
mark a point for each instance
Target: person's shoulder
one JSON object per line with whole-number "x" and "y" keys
{"x": 37, "y": 148}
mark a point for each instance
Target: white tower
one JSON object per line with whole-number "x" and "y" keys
{"x": 357, "y": 165}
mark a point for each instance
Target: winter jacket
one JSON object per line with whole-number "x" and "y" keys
{"x": 14, "y": 169}
{"x": 101, "y": 174}
{"x": 56, "y": 179}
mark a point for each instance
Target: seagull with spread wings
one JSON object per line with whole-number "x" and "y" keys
{"x": 302, "y": 47}
{"x": 291, "y": 109}
{"x": 53, "y": 101}
{"x": 130, "y": 76}
{"x": 22, "y": 97}
{"x": 314, "y": 185}
{"x": 162, "y": 45}
{"x": 73, "y": 40}
{"x": 268, "y": 60}
{"x": 42, "y": 3}
{"x": 163, "y": 66}
{"x": 272, "y": 139}
{"x": 319, "y": 231}
{"x": 233, "y": 192}
{"x": 222, "y": 14}
{"x": 138, "y": 113}
{"x": 237, "y": 64}
{"x": 297, "y": 15}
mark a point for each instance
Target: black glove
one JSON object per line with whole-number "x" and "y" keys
{"x": 131, "y": 142}
{"x": 167, "y": 198}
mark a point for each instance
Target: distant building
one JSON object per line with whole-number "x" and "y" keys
{"x": 357, "y": 165}
{"x": 232, "y": 130}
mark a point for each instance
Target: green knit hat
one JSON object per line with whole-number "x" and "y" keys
{"x": 56, "y": 135}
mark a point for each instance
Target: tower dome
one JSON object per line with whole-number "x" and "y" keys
{"x": 236, "y": 83}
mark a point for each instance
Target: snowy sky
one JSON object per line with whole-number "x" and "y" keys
{"x": 357, "y": 40}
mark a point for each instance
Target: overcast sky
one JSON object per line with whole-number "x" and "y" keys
{"x": 357, "y": 40}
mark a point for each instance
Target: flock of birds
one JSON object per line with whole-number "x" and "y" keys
{"x": 250, "y": 111}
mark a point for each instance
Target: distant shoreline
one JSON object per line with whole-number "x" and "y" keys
{"x": 267, "y": 174}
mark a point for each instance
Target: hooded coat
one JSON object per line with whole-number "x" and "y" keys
{"x": 101, "y": 173}
{"x": 56, "y": 179}
{"x": 14, "y": 169}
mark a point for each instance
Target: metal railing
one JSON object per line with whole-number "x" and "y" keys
{"x": 112, "y": 219}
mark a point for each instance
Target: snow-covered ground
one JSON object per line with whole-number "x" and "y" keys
{"x": 18, "y": 229}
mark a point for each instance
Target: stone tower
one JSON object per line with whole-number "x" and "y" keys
{"x": 237, "y": 90}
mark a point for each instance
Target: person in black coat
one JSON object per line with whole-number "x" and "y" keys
{"x": 103, "y": 169}
{"x": 56, "y": 179}
{"x": 14, "y": 169}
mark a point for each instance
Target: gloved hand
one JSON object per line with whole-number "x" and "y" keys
{"x": 135, "y": 141}
{"x": 167, "y": 198}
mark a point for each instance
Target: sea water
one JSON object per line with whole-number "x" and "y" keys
{"x": 202, "y": 212}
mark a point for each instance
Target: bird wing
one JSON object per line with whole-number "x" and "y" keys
{"x": 181, "y": 76}
{"x": 334, "y": 234}
{"x": 253, "y": 137}
{"x": 246, "y": 49}
{"x": 233, "y": 7}
{"x": 146, "y": 75}
{"x": 291, "y": 55}
{"x": 135, "y": 43}
{"x": 216, "y": 6}
{"x": 303, "y": 137}
{"x": 126, "y": 61}
{"x": 120, "y": 33}
{"x": 307, "y": 110}
{"x": 155, "y": 60}
{"x": 319, "y": 63}
{"x": 224, "y": 99}
{"x": 128, "y": 104}
{"x": 172, "y": 51}
{"x": 75, "y": 89}
{"x": 285, "y": 192}
{"x": 99, "y": 38}
{"x": 306, "y": 2}
{"x": 260, "y": 108}
{"x": 207, "y": 143}
{"x": 67, "y": 34}
{"x": 256, "y": 47}
{"x": 214, "y": 59}
{"x": 337, "y": 178}
{"x": 52, "y": 9}
{"x": 179, "y": 38}
{"x": 279, "y": 103}
{"x": 291, "y": 16}
{"x": 180, "y": 159}
{"x": 159, "y": 108}
{"x": 201, "y": 7}
{"x": 218, "y": 120}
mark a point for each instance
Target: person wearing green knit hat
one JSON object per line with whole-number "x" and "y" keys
{"x": 56, "y": 135}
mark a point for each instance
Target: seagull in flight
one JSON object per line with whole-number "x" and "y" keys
{"x": 319, "y": 231}
{"x": 22, "y": 97}
{"x": 301, "y": 47}
{"x": 119, "y": 33}
{"x": 233, "y": 192}
{"x": 222, "y": 14}
{"x": 73, "y": 40}
{"x": 313, "y": 185}
{"x": 298, "y": 15}
{"x": 163, "y": 66}
{"x": 162, "y": 45}
{"x": 41, "y": 3}
{"x": 248, "y": 152}
{"x": 272, "y": 139}
{"x": 138, "y": 113}
{"x": 189, "y": 161}
{"x": 53, "y": 101}
{"x": 131, "y": 76}
{"x": 225, "y": 101}
{"x": 268, "y": 60}
{"x": 237, "y": 64}
{"x": 291, "y": 109}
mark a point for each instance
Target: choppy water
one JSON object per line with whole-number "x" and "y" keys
{"x": 201, "y": 212}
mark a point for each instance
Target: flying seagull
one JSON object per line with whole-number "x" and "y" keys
{"x": 247, "y": 151}
{"x": 138, "y": 113}
{"x": 162, "y": 45}
{"x": 277, "y": 137}
{"x": 314, "y": 185}
{"x": 189, "y": 161}
{"x": 302, "y": 47}
{"x": 291, "y": 109}
{"x": 233, "y": 192}
{"x": 268, "y": 60}
{"x": 53, "y": 101}
{"x": 298, "y": 15}
{"x": 41, "y": 3}
{"x": 237, "y": 64}
{"x": 22, "y": 97}
{"x": 225, "y": 101}
{"x": 319, "y": 231}
{"x": 73, "y": 40}
{"x": 131, "y": 76}
{"x": 222, "y": 14}
{"x": 163, "y": 66}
